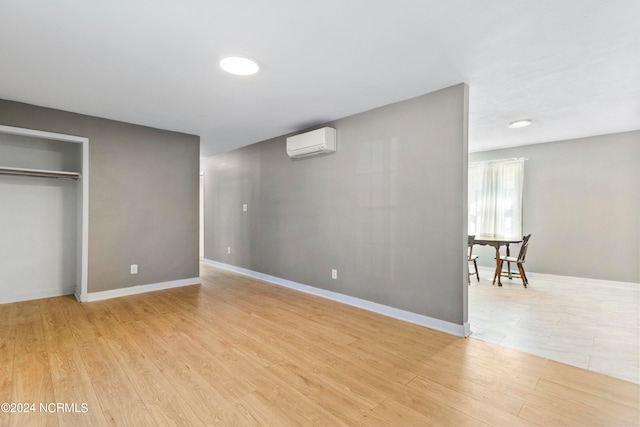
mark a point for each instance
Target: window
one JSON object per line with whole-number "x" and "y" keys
{"x": 495, "y": 198}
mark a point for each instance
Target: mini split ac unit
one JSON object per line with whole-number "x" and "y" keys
{"x": 317, "y": 141}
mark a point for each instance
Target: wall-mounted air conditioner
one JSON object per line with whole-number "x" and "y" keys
{"x": 317, "y": 141}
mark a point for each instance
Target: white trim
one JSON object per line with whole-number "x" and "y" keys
{"x": 83, "y": 222}
{"x": 133, "y": 290}
{"x": 407, "y": 316}
{"x": 569, "y": 279}
{"x": 84, "y": 225}
{"x": 36, "y": 294}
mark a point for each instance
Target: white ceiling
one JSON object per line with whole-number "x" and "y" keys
{"x": 573, "y": 66}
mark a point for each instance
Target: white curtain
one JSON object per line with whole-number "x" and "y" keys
{"x": 495, "y": 198}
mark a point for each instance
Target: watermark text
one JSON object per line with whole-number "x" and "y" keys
{"x": 48, "y": 407}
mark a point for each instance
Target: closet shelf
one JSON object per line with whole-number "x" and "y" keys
{"x": 40, "y": 173}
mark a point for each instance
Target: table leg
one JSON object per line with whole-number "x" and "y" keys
{"x": 497, "y": 246}
{"x": 508, "y": 263}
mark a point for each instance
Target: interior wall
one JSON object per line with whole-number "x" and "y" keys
{"x": 386, "y": 210}
{"x": 582, "y": 206}
{"x": 37, "y": 219}
{"x": 143, "y": 196}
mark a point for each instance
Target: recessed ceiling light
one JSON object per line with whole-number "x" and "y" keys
{"x": 520, "y": 124}
{"x": 239, "y": 65}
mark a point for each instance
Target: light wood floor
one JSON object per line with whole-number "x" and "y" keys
{"x": 237, "y": 351}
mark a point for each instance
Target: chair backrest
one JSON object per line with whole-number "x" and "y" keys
{"x": 523, "y": 248}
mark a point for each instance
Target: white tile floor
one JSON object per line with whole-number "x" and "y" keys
{"x": 590, "y": 326}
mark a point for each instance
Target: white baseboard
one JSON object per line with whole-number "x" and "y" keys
{"x": 407, "y": 316}
{"x": 36, "y": 294}
{"x": 488, "y": 273}
{"x": 133, "y": 290}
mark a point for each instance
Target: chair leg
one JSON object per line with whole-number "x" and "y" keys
{"x": 475, "y": 264}
{"x": 522, "y": 275}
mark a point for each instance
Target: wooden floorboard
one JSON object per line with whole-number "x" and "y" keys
{"x": 238, "y": 351}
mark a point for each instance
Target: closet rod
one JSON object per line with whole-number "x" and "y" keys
{"x": 39, "y": 173}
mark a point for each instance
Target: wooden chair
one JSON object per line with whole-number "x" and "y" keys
{"x": 519, "y": 261}
{"x": 472, "y": 258}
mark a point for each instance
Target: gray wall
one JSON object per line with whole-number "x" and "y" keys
{"x": 29, "y": 152}
{"x": 582, "y": 206}
{"x": 143, "y": 196}
{"x": 388, "y": 210}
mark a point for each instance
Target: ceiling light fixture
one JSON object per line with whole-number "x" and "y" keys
{"x": 239, "y": 65}
{"x": 520, "y": 123}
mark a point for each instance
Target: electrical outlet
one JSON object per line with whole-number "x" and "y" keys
{"x": 134, "y": 268}
{"x": 334, "y": 274}
{"x": 228, "y": 249}
{"x": 244, "y": 208}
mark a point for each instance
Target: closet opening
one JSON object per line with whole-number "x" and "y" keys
{"x": 44, "y": 189}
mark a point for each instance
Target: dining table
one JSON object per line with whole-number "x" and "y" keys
{"x": 497, "y": 242}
